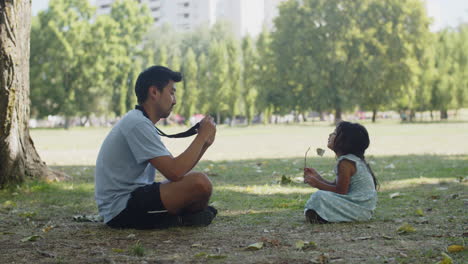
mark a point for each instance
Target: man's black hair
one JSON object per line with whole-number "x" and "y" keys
{"x": 158, "y": 76}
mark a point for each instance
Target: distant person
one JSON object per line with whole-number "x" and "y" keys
{"x": 126, "y": 192}
{"x": 352, "y": 196}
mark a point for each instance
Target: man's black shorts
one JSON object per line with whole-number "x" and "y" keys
{"x": 144, "y": 210}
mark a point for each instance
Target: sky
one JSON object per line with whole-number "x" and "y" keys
{"x": 445, "y": 13}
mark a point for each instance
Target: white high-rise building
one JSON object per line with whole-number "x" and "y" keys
{"x": 245, "y": 16}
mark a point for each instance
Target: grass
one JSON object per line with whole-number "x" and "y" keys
{"x": 429, "y": 190}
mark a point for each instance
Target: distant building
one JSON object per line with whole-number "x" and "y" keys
{"x": 246, "y": 16}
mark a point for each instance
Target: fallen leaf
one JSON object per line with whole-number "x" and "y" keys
{"x": 455, "y": 248}
{"x": 363, "y": 238}
{"x": 419, "y": 212}
{"x": 387, "y": 237}
{"x": 395, "y": 195}
{"x": 196, "y": 245}
{"x": 446, "y": 259}
{"x": 254, "y": 246}
{"x": 299, "y": 245}
{"x": 303, "y": 245}
{"x": 27, "y": 214}
{"x": 31, "y": 238}
{"x": 201, "y": 254}
{"x": 323, "y": 259}
{"x": 47, "y": 228}
{"x": 131, "y": 236}
{"x": 405, "y": 229}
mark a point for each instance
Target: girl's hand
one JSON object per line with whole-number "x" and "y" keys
{"x": 311, "y": 176}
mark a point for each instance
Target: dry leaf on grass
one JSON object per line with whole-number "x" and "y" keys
{"x": 47, "y": 228}
{"x": 31, "y": 238}
{"x": 446, "y": 259}
{"x": 406, "y": 229}
{"x": 118, "y": 250}
{"x": 419, "y": 212}
{"x": 303, "y": 245}
{"x": 455, "y": 248}
{"x": 254, "y": 246}
{"x": 395, "y": 195}
{"x": 362, "y": 238}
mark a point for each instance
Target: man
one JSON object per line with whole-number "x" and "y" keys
{"x": 126, "y": 194}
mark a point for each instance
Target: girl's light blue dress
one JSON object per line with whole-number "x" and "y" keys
{"x": 357, "y": 205}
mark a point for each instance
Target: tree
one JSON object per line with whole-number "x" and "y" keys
{"x": 217, "y": 90}
{"x": 268, "y": 82}
{"x": 234, "y": 77}
{"x": 133, "y": 20}
{"x": 191, "y": 95}
{"x": 203, "y": 103}
{"x": 175, "y": 64}
{"x": 443, "y": 89}
{"x": 461, "y": 56}
{"x": 62, "y": 59}
{"x": 396, "y": 54}
{"x": 19, "y": 159}
{"x": 249, "y": 70}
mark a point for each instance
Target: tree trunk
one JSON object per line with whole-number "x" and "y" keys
{"x": 337, "y": 115}
{"x": 444, "y": 114}
{"x": 374, "y": 115}
{"x": 412, "y": 115}
{"x": 18, "y": 157}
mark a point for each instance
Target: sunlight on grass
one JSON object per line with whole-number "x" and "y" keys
{"x": 267, "y": 189}
{"x": 407, "y": 183}
{"x": 81, "y": 145}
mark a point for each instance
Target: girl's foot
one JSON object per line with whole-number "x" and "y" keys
{"x": 313, "y": 218}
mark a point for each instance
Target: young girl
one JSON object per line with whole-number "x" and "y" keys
{"x": 352, "y": 196}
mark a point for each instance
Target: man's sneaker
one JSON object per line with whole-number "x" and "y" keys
{"x": 201, "y": 218}
{"x": 213, "y": 210}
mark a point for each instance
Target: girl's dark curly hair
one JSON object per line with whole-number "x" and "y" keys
{"x": 352, "y": 138}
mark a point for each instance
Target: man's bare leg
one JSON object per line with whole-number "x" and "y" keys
{"x": 191, "y": 194}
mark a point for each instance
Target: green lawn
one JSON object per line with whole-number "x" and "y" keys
{"x": 424, "y": 167}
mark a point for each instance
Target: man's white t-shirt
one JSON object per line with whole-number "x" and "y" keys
{"x": 123, "y": 162}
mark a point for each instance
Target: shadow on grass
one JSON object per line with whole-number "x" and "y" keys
{"x": 250, "y": 187}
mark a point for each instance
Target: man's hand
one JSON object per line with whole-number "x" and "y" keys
{"x": 207, "y": 130}
{"x": 311, "y": 176}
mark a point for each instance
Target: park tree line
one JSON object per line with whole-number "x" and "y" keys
{"x": 323, "y": 56}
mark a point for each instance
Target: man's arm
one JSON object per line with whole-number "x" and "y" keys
{"x": 174, "y": 168}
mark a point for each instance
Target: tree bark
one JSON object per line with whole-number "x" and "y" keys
{"x": 19, "y": 159}
{"x": 443, "y": 114}
{"x": 338, "y": 117}
{"x": 374, "y": 115}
